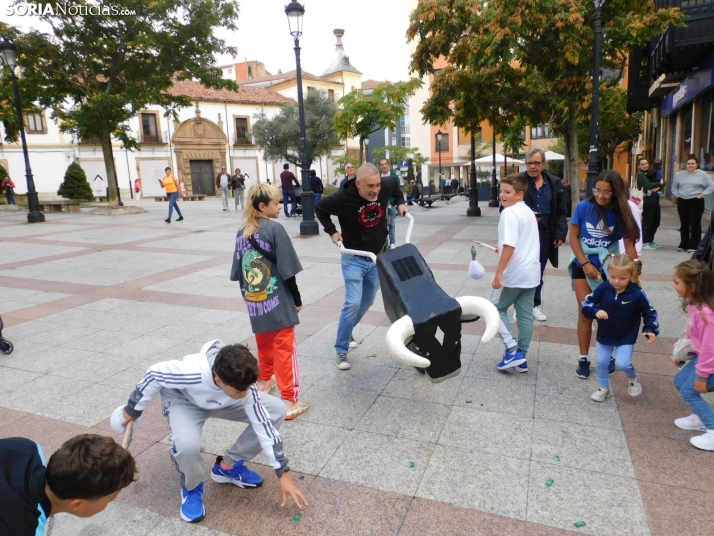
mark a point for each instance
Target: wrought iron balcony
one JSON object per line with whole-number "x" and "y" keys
{"x": 681, "y": 49}
{"x": 639, "y": 82}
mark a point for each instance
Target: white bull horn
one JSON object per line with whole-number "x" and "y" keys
{"x": 397, "y": 335}
{"x": 475, "y": 306}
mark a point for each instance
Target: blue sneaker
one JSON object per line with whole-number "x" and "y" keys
{"x": 611, "y": 367}
{"x": 239, "y": 475}
{"x": 583, "y": 370}
{"x": 523, "y": 367}
{"x": 192, "y": 509}
{"x": 511, "y": 360}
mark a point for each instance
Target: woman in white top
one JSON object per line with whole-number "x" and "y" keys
{"x": 690, "y": 186}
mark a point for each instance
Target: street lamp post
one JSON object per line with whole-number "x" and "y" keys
{"x": 9, "y": 56}
{"x": 474, "y": 209}
{"x": 493, "y": 198}
{"x": 439, "y": 136}
{"x": 592, "y": 157}
{"x": 308, "y": 225}
{"x": 366, "y": 149}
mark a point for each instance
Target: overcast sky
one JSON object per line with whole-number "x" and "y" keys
{"x": 374, "y": 36}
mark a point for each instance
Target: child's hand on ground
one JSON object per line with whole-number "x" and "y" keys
{"x": 288, "y": 487}
{"x": 602, "y": 315}
{"x": 678, "y": 363}
{"x": 700, "y": 384}
{"x": 651, "y": 337}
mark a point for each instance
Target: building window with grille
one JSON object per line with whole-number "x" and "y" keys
{"x": 541, "y": 131}
{"x": 310, "y": 90}
{"x": 149, "y": 128}
{"x": 443, "y": 146}
{"x": 35, "y": 123}
{"x": 406, "y": 140}
{"x": 331, "y": 95}
{"x": 242, "y": 131}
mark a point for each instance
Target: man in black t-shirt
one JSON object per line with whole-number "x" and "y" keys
{"x": 31, "y": 490}
{"x": 361, "y": 209}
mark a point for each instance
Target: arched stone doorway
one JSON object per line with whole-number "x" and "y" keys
{"x": 200, "y": 147}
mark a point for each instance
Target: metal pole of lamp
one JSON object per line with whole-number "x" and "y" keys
{"x": 9, "y": 56}
{"x": 308, "y": 225}
{"x": 474, "y": 209}
{"x": 439, "y": 136}
{"x": 592, "y": 156}
{"x": 493, "y": 197}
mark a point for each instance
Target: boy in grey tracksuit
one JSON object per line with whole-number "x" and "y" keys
{"x": 218, "y": 382}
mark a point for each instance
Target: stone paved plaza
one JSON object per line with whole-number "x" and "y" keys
{"x": 91, "y": 301}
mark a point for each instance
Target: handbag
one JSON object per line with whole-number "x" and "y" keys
{"x": 683, "y": 350}
{"x": 636, "y": 196}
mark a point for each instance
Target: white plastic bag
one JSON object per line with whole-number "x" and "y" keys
{"x": 683, "y": 350}
{"x": 117, "y": 418}
{"x": 476, "y": 271}
{"x": 636, "y": 196}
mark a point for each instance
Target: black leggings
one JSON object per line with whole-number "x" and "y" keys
{"x": 690, "y": 218}
{"x": 650, "y": 217}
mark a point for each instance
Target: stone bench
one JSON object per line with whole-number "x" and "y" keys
{"x": 200, "y": 197}
{"x": 58, "y": 204}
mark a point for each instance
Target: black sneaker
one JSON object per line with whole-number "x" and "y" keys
{"x": 583, "y": 370}
{"x": 611, "y": 367}
{"x": 180, "y": 218}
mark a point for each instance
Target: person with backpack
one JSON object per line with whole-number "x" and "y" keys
{"x": 9, "y": 188}
{"x": 238, "y": 186}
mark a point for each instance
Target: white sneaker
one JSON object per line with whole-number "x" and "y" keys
{"x": 601, "y": 394}
{"x": 634, "y": 387}
{"x": 538, "y": 314}
{"x": 690, "y": 422}
{"x": 705, "y": 441}
{"x": 353, "y": 343}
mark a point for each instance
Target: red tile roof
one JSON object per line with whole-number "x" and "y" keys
{"x": 245, "y": 95}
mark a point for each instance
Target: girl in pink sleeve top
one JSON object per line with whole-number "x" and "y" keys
{"x": 694, "y": 282}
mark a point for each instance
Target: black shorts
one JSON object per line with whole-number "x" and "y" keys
{"x": 579, "y": 273}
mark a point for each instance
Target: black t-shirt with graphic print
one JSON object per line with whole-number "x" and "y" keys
{"x": 363, "y": 224}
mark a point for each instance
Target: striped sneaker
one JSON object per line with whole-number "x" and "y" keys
{"x": 296, "y": 408}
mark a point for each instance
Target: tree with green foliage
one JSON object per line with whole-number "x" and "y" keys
{"x": 361, "y": 114}
{"x": 531, "y": 59}
{"x": 75, "y": 185}
{"x": 3, "y": 172}
{"x": 616, "y": 127}
{"x": 96, "y": 72}
{"x": 399, "y": 154}
{"x": 279, "y": 136}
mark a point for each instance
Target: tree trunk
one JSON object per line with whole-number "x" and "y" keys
{"x": 571, "y": 166}
{"x": 611, "y": 160}
{"x": 106, "y": 140}
{"x": 361, "y": 150}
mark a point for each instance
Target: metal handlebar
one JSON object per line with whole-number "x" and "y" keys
{"x": 369, "y": 254}
{"x": 409, "y": 228}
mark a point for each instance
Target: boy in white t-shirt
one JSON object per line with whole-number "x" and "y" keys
{"x": 518, "y": 271}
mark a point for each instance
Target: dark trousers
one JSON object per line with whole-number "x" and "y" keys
{"x": 650, "y": 217}
{"x": 690, "y": 219}
{"x": 545, "y": 242}
{"x": 10, "y": 197}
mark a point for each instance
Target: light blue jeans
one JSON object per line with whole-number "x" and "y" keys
{"x": 361, "y": 284}
{"x": 684, "y": 382}
{"x": 623, "y": 362}
{"x": 392, "y": 222}
{"x": 172, "y": 204}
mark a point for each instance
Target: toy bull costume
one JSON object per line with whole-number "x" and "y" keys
{"x": 426, "y": 322}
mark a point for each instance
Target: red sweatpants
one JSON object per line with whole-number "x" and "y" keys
{"x": 277, "y": 354}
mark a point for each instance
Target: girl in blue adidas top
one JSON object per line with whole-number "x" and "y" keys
{"x": 618, "y": 305}
{"x": 597, "y": 225}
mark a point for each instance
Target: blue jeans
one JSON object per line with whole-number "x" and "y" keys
{"x": 318, "y": 196}
{"x": 392, "y": 222}
{"x": 172, "y": 204}
{"x": 361, "y": 284}
{"x": 289, "y": 195}
{"x": 623, "y": 362}
{"x": 684, "y": 382}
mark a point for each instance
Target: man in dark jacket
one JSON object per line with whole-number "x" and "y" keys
{"x": 546, "y": 197}
{"x": 316, "y": 185}
{"x": 361, "y": 209}
{"x": 704, "y": 250}
{"x": 287, "y": 179}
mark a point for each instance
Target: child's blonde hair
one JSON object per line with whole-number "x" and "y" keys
{"x": 699, "y": 281}
{"x": 626, "y": 263}
{"x": 260, "y": 193}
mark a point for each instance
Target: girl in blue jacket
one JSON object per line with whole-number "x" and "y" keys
{"x": 618, "y": 305}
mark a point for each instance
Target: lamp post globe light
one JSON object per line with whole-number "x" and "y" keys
{"x": 592, "y": 156}
{"x": 308, "y": 226}
{"x": 473, "y": 209}
{"x": 9, "y": 57}
{"x": 439, "y": 137}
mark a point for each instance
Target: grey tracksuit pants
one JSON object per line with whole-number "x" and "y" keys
{"x": 186, "y": 422}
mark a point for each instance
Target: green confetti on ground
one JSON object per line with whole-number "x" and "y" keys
{"x": 550, "y": 482}
{"x": 411, "y": 464}
{"x": 469, "y": 401}
{"x": 556, "y": 458}
{"x": 579, "y": 524}
{"x": 296, "y": 517}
